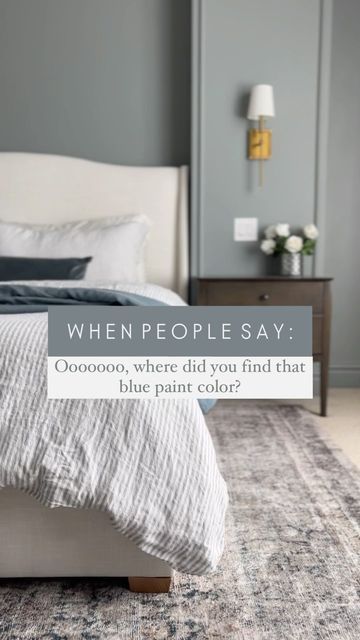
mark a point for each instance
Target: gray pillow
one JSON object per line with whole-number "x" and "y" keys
{"x": 14, "y": 268}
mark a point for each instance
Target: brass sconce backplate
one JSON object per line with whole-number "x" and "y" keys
{"x": 259, "y": 144}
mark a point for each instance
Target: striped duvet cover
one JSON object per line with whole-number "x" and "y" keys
{"x": 149, "y": 464}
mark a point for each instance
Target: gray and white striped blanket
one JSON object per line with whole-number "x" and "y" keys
{"x": 150, "y": 464}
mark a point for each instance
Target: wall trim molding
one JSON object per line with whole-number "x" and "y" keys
{"x": 197, "y": 49}
{"x": 322, "y": 130}
{"x": 341, "y": 376}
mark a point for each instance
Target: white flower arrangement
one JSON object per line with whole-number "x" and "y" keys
{"x": 279, "y": 240}
{"x": 268, "y": 246}
{"x": 311, "y": 232}
{"x": 294, "y": 244}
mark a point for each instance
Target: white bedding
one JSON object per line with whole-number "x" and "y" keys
{"x": 116, "y": 244}
{"x": 150, "y": 464}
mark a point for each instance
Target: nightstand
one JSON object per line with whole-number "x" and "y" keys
{"x": 277, "y": 290}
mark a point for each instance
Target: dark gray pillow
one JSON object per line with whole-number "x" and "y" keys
{"x": 12, "y": 268}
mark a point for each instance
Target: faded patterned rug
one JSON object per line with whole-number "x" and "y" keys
{"x": 290, "y": 571}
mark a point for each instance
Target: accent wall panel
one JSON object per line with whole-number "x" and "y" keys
{"x": 238, "y": 43}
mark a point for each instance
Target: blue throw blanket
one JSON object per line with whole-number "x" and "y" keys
{"x": 19, "y": 298}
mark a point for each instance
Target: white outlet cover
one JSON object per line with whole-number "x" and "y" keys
{"x": 246, "y": 229}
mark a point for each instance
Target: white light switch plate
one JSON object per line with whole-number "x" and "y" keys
{"x": 245, "y": 229}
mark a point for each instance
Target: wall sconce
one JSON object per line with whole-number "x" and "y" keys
{"x": 261, "y": 106}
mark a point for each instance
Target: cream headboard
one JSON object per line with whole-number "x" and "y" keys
{"x": 37, "y": 188}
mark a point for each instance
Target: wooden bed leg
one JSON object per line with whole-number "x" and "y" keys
{"x": 149, "y": 585}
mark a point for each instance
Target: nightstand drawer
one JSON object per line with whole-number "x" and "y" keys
{"x": 229, "y": 292}
{"x": 279, "y": 291}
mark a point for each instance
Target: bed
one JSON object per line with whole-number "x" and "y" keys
{"x": 37, "y": 541}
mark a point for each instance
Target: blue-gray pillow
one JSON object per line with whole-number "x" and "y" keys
{"x": 13, "y": 268}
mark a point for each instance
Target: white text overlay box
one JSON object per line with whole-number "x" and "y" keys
{"x": 180, "y": 377}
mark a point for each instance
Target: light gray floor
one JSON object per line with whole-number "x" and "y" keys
{"x": 343, "y": 420}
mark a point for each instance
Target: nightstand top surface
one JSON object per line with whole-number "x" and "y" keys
{"x": 266, "y": 278}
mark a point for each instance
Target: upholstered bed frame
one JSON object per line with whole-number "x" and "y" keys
{"x": 35, "y": 188}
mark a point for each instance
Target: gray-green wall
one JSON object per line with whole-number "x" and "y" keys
{"x": 101, "y": 79}
{"x": 342, "y": 220}
{"x": 241, "y": 43}
{"x": 311, "y": 54}
{"x": 110, "y": 80}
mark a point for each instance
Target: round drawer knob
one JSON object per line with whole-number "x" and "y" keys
{"x": 264, "y": 297}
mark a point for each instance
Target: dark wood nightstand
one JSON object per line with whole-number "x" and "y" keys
{"x": 276, "y": 290}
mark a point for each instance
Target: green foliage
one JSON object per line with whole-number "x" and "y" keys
{"x": 308, "y": 247}
{"x": 280, "y": 245}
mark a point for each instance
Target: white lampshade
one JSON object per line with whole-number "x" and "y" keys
{"x": 261, "y": 102}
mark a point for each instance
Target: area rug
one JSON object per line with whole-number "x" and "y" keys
{"x": 291, "y": 567}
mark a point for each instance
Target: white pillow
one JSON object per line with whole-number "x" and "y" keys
{"x": 115, "y": 244}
